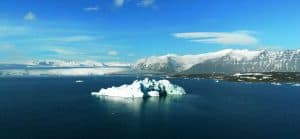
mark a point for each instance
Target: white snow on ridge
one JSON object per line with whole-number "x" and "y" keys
{"x": 250, "y": 74}
{"x": 142, "y": 88}
{"x": 82, "y": 71}
{"x": 70, "y": 63}
{"x": 156, "y": 59}
{"x": 117, "y": 64}
{"x": 187, "y": 61}
{"x": 63, "y": 63}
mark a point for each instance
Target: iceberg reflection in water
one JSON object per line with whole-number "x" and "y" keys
{"x": 139, "y": 106}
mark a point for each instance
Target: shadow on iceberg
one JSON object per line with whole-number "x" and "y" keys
{"x": 142, "y": 88}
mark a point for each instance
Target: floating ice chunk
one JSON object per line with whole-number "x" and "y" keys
{"x": 79, "y": 81}
{"x": 274, "y": 83}
{"x": 296, "y": 85}
{"x": 142, "y": 88}
{"x": 249, "y": 74}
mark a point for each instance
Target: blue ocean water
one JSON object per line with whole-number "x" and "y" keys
{"x": 57, "y": 107}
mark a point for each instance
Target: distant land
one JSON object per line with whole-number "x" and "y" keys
{"x": 62, "y": 68}
{"x": 227, "y": 64}
{"x": 274, "y": 77}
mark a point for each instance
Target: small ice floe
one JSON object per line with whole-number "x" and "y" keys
{"x": 142, "y": 88}
{"x": 165, "y": 77}
{"x": 296, "y": 85}
{"x": 247, "y": 74}
{"x": 266, "y": 77}
{"x": 250, "y": 78}
{"x": 168, "y": 77}
{"x": 239, "y": 80}
{"x": 217, "y": 81}
{"x": 79, "y": 81}
{"x": 275, "y": 83}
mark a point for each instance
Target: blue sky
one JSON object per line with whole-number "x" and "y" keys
{"x": 126, "y": 30}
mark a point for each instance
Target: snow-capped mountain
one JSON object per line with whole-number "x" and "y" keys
{"x": 227, "y": 60}
{"x": 62, "y": 64}
{"x": 62, "y": 68}
{"x": 116, "y": 64}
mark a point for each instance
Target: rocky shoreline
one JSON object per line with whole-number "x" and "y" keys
{"x": 279, "y": 77}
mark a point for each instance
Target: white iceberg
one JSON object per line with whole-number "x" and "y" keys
{"x": 142, "y": 88}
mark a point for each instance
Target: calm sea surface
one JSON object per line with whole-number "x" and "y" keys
{"x": 59, "y": 108}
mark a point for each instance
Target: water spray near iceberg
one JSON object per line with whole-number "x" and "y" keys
{"x": 142, "y": 88}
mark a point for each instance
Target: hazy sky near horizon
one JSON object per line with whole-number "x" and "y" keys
{"x": 126, "y": 30}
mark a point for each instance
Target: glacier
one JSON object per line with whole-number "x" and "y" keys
{"x": 62, "y": 71}
{"x": 62, "y": 68}
{"x": 142, "y": 88}
{"x": 56, "y": 63}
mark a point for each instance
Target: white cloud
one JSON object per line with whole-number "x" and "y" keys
{"x": 224, "y": 38}
{"x": 119, "y": 3}
{"x": 91, "y": 9}
{"x": 79, "y": 38}
{"x": 30, "y": 16}
{"x": 61, "y": 51}
{"x": 146, "y": 3}
{"x": 113, "y": 53}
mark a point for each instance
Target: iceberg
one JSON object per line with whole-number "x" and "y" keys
{"x": 142, "y": 88}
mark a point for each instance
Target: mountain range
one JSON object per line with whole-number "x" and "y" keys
{"x": 62, "y": 64}
{"x": 224, "y": 61}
